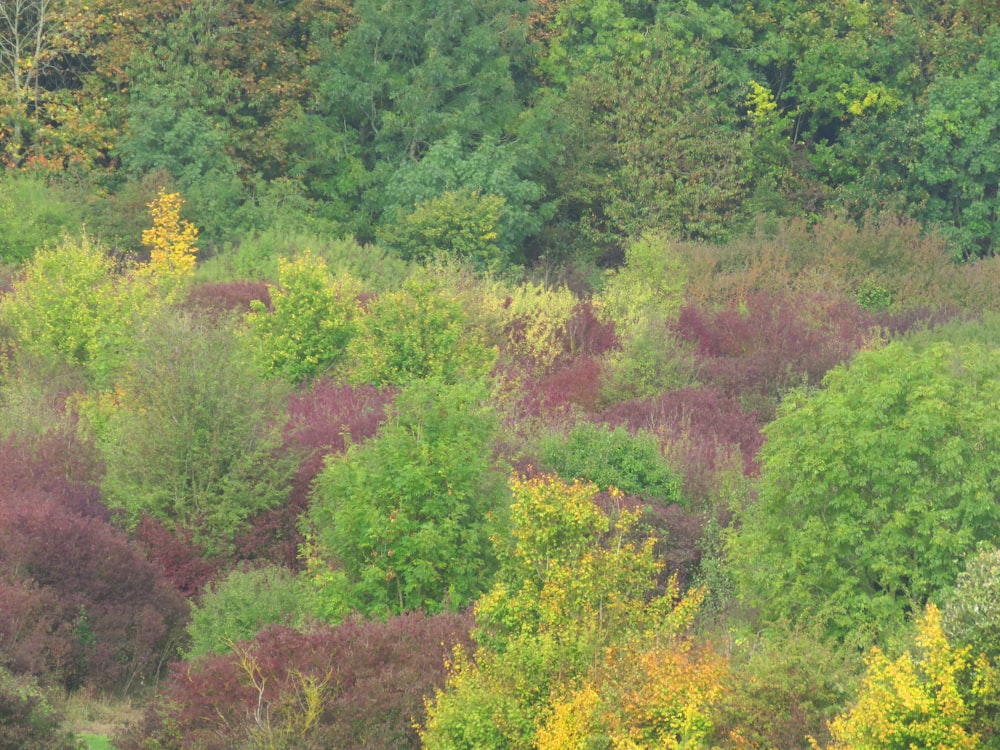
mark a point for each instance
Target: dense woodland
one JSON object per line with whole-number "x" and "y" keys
{"x": 550, "y": 374}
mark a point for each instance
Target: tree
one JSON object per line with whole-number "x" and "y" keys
{"x": 873, "y": 489}
{"x": 313, "y": 318}
{"x": 914, "y": 701}
{"x": 192, "y": 436}
{"x": 570, "y": 589}
{"x": 403, "y": 521}
{"x": 25, "y": 48}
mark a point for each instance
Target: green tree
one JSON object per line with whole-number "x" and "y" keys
{"x": 242, "y": 604}
{"x": 311, "y": 321}
{"x": 191, "y": 435}
{"x": 456, "y": 225}
{"x": 873, "y": 489}
{"x": 422, "y": 330}
{"x": 403, "y": 521}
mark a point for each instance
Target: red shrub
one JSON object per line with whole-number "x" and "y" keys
{"x": 770, "y": 343}
{"x": 215, "y": 300}
{"x": 588, "y": 335}
{"x": 183, "y": 561}
{"x": 58, "y": 466}
{"x": 376, "y": 676}
{"x": 577, "y": 384}
{"x": 111, "y": 618}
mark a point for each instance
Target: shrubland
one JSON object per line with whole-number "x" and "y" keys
{"x": 514, "y": 374}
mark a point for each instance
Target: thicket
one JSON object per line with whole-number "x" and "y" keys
{"x": 287, "y": 288}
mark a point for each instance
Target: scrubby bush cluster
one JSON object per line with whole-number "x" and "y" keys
{"x": 577, "y": 385}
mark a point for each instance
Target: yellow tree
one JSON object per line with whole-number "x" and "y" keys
{"x": 171, "y": 240}
{"x": 915, "y": 702}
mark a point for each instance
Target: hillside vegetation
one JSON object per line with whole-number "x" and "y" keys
{"x": 558, "y": 375}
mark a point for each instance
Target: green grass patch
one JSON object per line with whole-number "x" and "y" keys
{"x": 95, "y": 742}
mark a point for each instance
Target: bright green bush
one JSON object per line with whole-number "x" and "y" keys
{"x": 403, "y": 521}
{"x": 311, "y": 321}
{"x": 874, "y": 489}
{"x": 421, "y": 331}
{"x": 610, "y": 458}
{"x": 238, "y": 607}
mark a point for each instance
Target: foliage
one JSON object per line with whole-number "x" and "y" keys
{"x": 612, "y": 458}
{"x": 872, "y": 489}
{"x": 766, "y": 344}
{"x": 80, "y": 605}
{"x": 27, "y": 717}
{"x": 68, "y": 304}
{"x": 970, "y": 616}
{"x": 33, "y": 214}
{"x": 311, "y": 320}
{"x": 171, "y": 241}
{"x": 537, "y": 322}
{"x": 642, "y": 298}
{"x": 648, "y": 287}
{"x": 421, "y": 331}
{"x": 403, "y": 521}
{"x": 570, "y": 585}
{"x": 456, "y": 224}
{"x": 783, "y": 686}
{"x": 192, "y": 435}
{"x": 492, "y": 180}
{"x": 306, "y": 690}
{"x": 241, "y": 605}
{"x": 647, "y": 694}
{"x": 324, "y": 418}
{"x": 914, "y": 701}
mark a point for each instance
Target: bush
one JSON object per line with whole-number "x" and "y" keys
{"x": 194, "y": 435}
{"x": 972, "y": 610}
{"x": 28, "y": 720}
{"x": 421, "y": 331}
{"x": 310, "y": 321}
{"x": 98, "y": 613}
{"x": 33, "y": 214}
{"x": 238, "y": 607}
{"x": 403, "y": 521}
{"x": 290, "y": 690}
{"x": 769, "y": 343}
{"x": 610, "y": 458}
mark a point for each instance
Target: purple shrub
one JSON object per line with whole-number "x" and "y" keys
{"x": 57, "y": 466}
{"x": 575, "y": 385}
{"x": 770, "y": 343}
{"x": 586, "y": 334}
{"x": 111, "y": 617}
{"x": 218, "y": 299}
{"x": 375, "y": 677}
{"x": 183, "y": 561}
